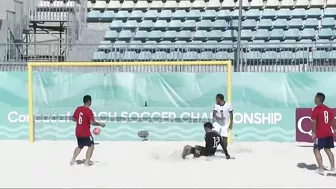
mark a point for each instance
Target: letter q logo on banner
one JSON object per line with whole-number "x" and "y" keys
{"x": 300, "y": 125}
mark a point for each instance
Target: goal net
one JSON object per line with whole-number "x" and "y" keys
{"x": 170, "y": 100}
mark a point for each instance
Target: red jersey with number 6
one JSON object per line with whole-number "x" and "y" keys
{"x": 324, "y": 117}
{"x": 83, "y": 116}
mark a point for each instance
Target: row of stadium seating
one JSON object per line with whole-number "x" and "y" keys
{"x": 211, "y": 44}
{"x": 203, "y": 35}
{"x": 209, "y": 55}
{"x": 222, "y": 24}
{"x": 201, "y": 4}
{"x": 95, "y": 15}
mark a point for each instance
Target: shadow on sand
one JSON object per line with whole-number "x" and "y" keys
{"x": 81, "y": 162}
{"x": 313, "y": 167}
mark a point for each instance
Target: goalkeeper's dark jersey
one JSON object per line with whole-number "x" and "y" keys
{"x": 212, "y": 141}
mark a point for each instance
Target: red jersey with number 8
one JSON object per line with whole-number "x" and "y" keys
{"x": 324, "y": 117}
{"x": 83, "y": 116}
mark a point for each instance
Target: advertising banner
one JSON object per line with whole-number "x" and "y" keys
{"x": 303, "y": 125}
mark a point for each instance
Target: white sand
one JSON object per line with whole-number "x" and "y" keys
{"x": 157, "y": 164}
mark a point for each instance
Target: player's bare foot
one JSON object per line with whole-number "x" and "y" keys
{"x": 72, "y": 162}
{"x": 321, "y": 171}
{"x": 228, "y": 156}
{"x": 88, "y": 163}
{"x": 186, "y": 151}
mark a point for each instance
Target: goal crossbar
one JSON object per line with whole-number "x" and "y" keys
{"x": 30, "y": 66}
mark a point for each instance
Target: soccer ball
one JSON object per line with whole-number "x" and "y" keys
{"x": 96, "y": 131}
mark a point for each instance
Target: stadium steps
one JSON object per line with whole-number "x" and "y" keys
{"x": 87, "y": 41}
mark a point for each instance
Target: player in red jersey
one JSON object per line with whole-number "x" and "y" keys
{"x": 322, "y": 120}
{"x": 83, "y": 117}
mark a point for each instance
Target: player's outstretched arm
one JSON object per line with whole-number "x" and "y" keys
{"x": 95, "y": 123}
{"x": 231, "y": 119}
{"x": 333, "y": 125}
{"x": 214, "y": 115}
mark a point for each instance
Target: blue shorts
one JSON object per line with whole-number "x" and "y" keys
{"x": 327, "y": 142}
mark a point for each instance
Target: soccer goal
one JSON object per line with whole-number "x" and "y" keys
{"x": 53, "y": 88}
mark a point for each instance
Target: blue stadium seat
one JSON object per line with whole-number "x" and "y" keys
{"x": 150, "y": 44}
{"x": 179, "y": 15}
{"x": 247, "y": 34}
{"x": 165, "y": 44}
{"x": 166, "y": 14}
{"x": 301, "y": 54}
{"x": 119, "y": 43}
{"x": 262, "y": 34}
{"x": 284, "y": 13}
{"x": 130, "y": 55}
{"x": 269, "y": 14}
{"x": 330, "y": 12}
{"x": 295, "y": 23}
{"x": 122, "y": 15}
{"x": 269, "y": 55}
{"x": 277, "y": 34}
{"x": 252, "y": 14}
{"x": 292, "y": 33}
{"x": 299, "y": 13}
{"x": 185, "y": 35}
{"x": 105, "y": 45}
{"x": 189, "y": 25}
{"x": 286, "y": 55}
{"x": 328, "y": 22}
{"x": 175, "y": 25}
{"x": 235, "y": 13}
{"x": 314, "y": 13}
{"x": 209, "y": 14}
{"x": 311, "y": 23}
{"x": 229, "y": 34}
{"x": 253, "y": 55}
{"x": 99, "y": 56}
{"x": 319, "y": 55}
{"x": 325, "y": 33}
{"x": 116, "y": 25}
{"x": 174, "y": 55}
{"x": 206, "y": 24}
{"x": 308, "y": 33}
{"x": 215, "y": 35}
{"x": 145, "y": 55}
{"x": 190, "y": 55}
{"x": 125, "y": 35}
{"x": 111, "y": 35}
{"x": 107, "y": 15}
{"x": 93, "y": 15}
{"x": 131, "y": 24}
{"x": 249, "y": 24}
{"x": 160, "y": 55}
{"x": 146, "y": 25}
{"x": 201, "y": 35}
{"x": 151, "y": 15}
{"x": 205, "y": 55}
{"x": 114, "y": 56}
{"x": 161, "y": 24}
{"x": 223, "y": 14}
{"x": 155, "y": 35}
{"x": 280, "y": 23}
{"x": 135, "y": 45}
{"x": 136, "y": 15}
{"x": 170, "y": 35}
{"x": 141, "y": 35}
{"x": 224, "y": 55}
{"x": 266, "y": 23}
{"x": 194, "y": 15}
{"x": 220, "y": 24}
{"x": 233, "y": 24}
